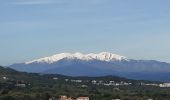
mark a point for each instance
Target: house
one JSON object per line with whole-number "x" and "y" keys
{"x": 150, "y": 99}
{"x": 21, "y": 85}
{"x": 94, "y": 81}
{"x": 65, "y": 98}
{"x": 55, "y": 78}
{"x": 5, "y": 78}
{"x": 165, "y": 85}
{"x": 69, "y": 98}
{"x": 53, "y": 98}
{"x": 84, "y": 86}
{"x": 77, "y": 81}
{"x": 83, "y": 98}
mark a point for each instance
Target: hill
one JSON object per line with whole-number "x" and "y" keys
{"x": 16, "y": 85}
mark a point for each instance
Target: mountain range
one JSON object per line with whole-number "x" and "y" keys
{"x": 104, "y": 63}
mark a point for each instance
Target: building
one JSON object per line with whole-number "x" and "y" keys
{"x": 21, "y": 85}
{"x": 53, "y": 98}
{"x": 55, "y": 78}
{"x": 65, "y": 98}
{"x": 150, "y": 99}
{"x": 5, "y": 78}
{"x": 165, "y": 85}
{"x": 83, "y": 98}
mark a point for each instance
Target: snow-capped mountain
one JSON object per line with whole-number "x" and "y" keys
{"x": 105, "y": 63}
{"x": 104, "y": 56}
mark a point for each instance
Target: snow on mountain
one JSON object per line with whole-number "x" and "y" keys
{"x": 103, "y": 56}
{"x": 104, "y": 63}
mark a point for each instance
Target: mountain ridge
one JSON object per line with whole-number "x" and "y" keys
{"x": 78, "y": 64}
{"x": 103, "y": 56}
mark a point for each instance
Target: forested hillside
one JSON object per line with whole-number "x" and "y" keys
{"x": 16, "y": 85}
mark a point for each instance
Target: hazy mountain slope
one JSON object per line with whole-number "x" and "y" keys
{"x": 14, "y": 75}
{"x": 77, "y": 64}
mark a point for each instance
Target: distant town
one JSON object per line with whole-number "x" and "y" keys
{"x": 100, "y": 82}
{"x": 113, "y": 83}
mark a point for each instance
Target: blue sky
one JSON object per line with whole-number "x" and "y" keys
{"x": 137, "y": 29}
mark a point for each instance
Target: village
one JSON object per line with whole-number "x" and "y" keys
{"x": 82, "y": 83}
{"x": 64, "y": 97}
{"x": 97, "y": 82}
{"x": 113, "y": 83}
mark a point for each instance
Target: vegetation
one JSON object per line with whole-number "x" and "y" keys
{"x": 16, "y": 85}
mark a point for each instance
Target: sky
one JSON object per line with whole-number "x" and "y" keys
{"x": 136, "y": 29}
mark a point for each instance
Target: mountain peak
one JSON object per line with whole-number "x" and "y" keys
{"x": 110, "y": 56}
{"x": 103, "y": 56}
